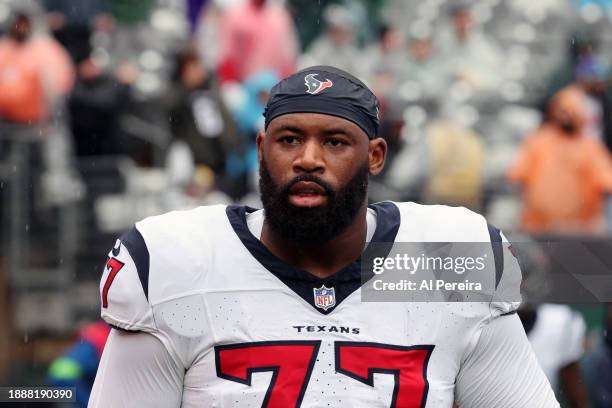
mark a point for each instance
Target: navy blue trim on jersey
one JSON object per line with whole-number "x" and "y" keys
{"x": 498, "y": 252}
{"x": 344, "y": 282}
{"x": 528, "y": 317}
{"x": 136, "y": 246}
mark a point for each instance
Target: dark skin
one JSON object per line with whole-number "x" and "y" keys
{"x": 332, "y": 149}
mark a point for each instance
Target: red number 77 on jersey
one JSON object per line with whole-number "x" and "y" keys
{"x": 292, "y": 362}
{"x": 114, "y": 266}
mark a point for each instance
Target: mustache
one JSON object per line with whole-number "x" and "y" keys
{"x": 329, "y": 190}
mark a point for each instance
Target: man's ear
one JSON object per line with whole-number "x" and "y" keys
{"x": 377, "y": 155}
{"x": 259, "y": 140}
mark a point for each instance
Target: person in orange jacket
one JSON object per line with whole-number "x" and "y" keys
{"x": 565, "y": 172}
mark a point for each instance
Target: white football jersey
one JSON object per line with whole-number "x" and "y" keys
{"x": 253, "y": 331}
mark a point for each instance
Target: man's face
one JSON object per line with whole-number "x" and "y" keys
{"x": 340, "y": 35}
{"x": 193, "y": 73}
{"x": 314, "y": 171}
{"x": 21, "y": 28}
{"x": 421, "y": 49}
{"x": 88, "y": 70}
{"x": 392, "y": 40}
{"x": 463, "y": 23}
{"x": 568, "y": 111}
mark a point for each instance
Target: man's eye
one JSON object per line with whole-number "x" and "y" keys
{"x": 289, "y": 140}
{"x": 335, "y": 142}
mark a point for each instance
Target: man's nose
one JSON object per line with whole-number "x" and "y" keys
{"x": 310, "y": 158}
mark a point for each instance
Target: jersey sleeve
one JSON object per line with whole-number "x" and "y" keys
{"x": 502, "y": 371}
{"x": 136, "y": 370}
{"x": 506, "y": 297}
{"x": 124, "y": 285}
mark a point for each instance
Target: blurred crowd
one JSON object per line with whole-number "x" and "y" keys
{"x": 113, "y": 110}
{"x": 500, "y": 106}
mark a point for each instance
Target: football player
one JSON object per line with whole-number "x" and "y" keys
{"x": 227, "y": 306}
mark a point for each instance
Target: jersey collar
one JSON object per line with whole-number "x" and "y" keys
{"x": 344, "y": 282}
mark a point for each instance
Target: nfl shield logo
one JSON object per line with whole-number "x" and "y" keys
{"x": 325, "y": 298}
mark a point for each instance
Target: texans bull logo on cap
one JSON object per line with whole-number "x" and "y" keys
{"x": 312, "y": 90}
{"x": 314, "y": 85}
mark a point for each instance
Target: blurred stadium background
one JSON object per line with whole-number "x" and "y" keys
{"x": 114, "y": 110}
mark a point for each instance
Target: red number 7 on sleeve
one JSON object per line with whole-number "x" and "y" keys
{"x": 114, "y": 266}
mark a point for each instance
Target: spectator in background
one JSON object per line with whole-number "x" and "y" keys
{"x": 382, "y": 69}
{"x": 249, "y": 118}
{"x": 249, "y": 115}
{"x": 597, "y": 366}
{"x": 198, "y": 116}
{"x": 472, "y": 57}
{"x": 384, "y": 61}
{"x": 255, "y": 36}
{"x": 591, "y": 76}
{"x": 425, "y": 68}
{"x": 446, "y": 163}
{"x": 336, "y": 46}
{"x": 556, "y": 334}
{"x": 77, "y": 367}
{"x": 95, "y": 106}
{"x": 35, "y": 71}
{"x": 456, "y": 165}
{"x": 586, "y": 68}
{"x": 564, "y": 173}
{"x": 71, "y": 23}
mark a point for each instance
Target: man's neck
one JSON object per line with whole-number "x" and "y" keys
{"x": 321, "y": 259}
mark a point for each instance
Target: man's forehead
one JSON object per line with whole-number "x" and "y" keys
{"x": 313, "y": 123}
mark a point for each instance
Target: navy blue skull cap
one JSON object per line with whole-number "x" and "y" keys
{"x": 327, "y": 90}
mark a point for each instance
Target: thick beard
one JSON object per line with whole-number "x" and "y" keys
{"x": 312, "y": 224}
